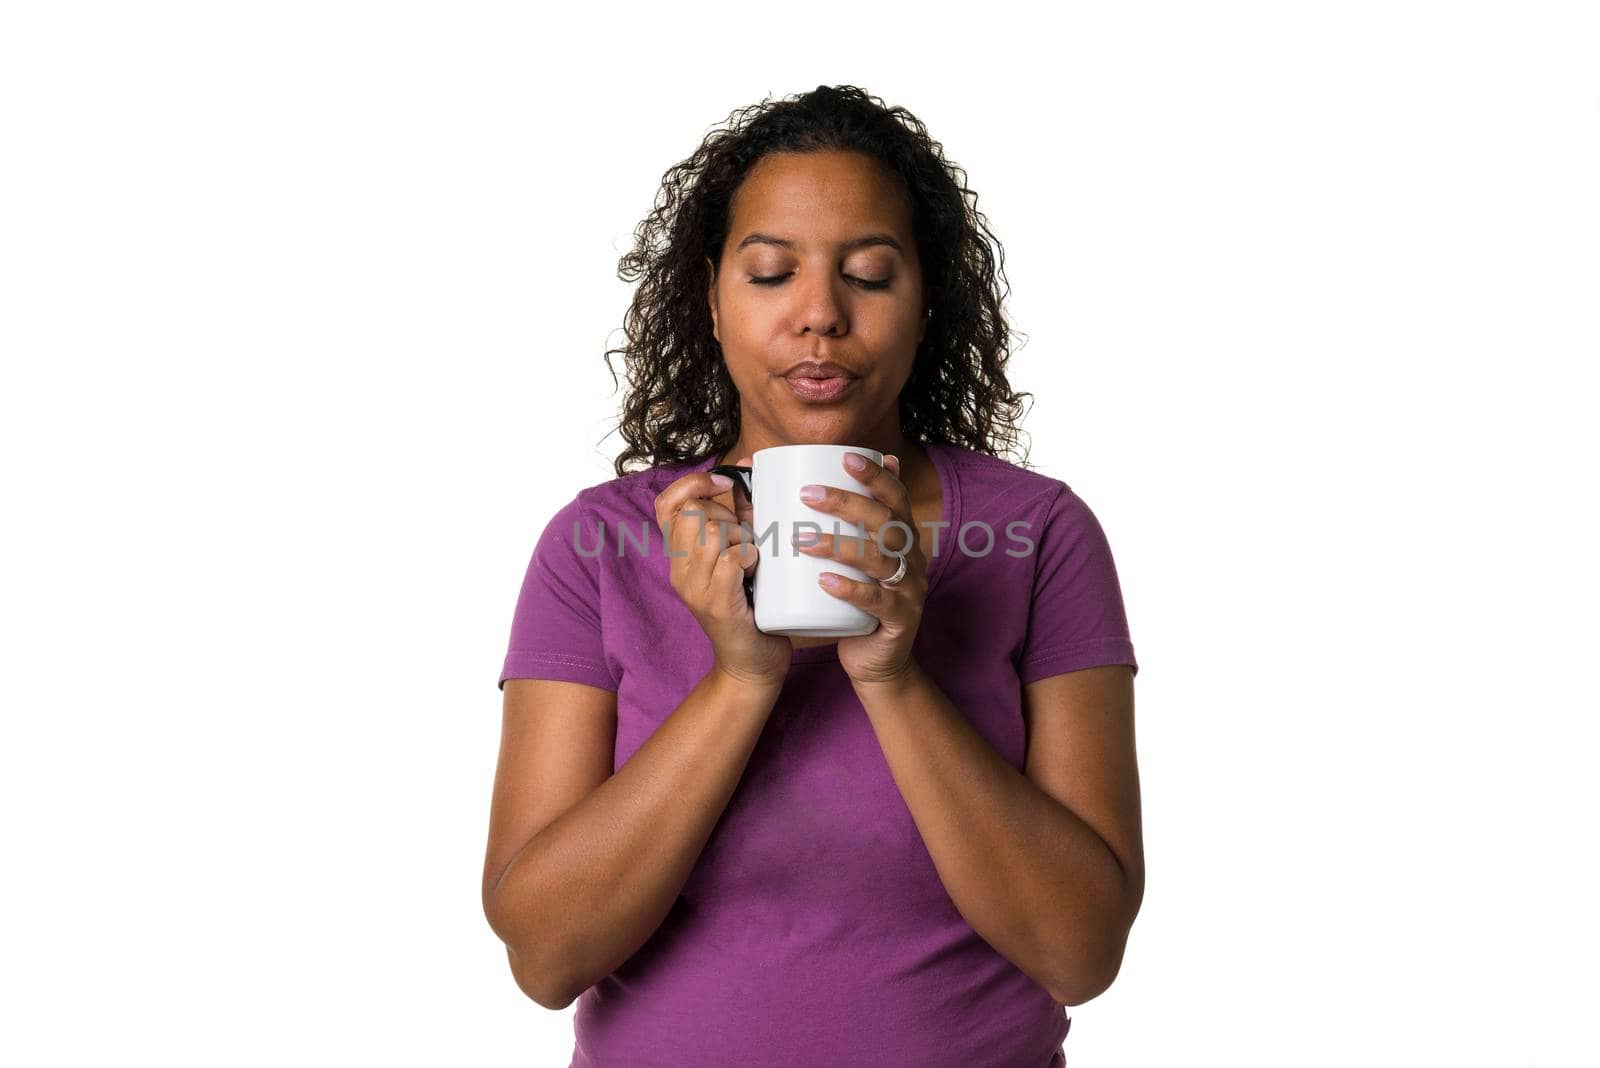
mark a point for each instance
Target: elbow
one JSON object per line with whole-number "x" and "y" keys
{"x": 535, "y": 975}
{"x": 1079, "y": 988}
{"x": 1091, "y": 973}
{"x": 550, "y": 998}
{"x": 548, "y": 990}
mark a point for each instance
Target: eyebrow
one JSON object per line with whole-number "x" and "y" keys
{"x": 864, "y": 241}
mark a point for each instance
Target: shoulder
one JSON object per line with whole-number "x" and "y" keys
{"x": 1028, "y": 506}
{"x": 993, "y": 489}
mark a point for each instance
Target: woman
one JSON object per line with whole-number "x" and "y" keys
{"x": 911, "y": 847}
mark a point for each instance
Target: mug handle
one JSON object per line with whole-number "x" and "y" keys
{"x": 743, "y": 478}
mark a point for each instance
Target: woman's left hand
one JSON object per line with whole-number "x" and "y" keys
{"x": 884, "y": 512}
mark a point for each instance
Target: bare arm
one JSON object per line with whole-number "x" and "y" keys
{"x": 1047, "y": 865}
{"x": 582, "y": 864}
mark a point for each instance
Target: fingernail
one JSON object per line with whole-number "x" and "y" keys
{"x": 854, "y": 461}
{"x": 804, "y": 537}
{"x": 812, "y": 493}
{"x": 722, "y": 480}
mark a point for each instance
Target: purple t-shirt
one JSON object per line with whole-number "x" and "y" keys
{"x": 814, "y": 928}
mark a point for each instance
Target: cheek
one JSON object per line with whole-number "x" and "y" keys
{"x": 740, "y": 356}
{"x": 745, "y": 320}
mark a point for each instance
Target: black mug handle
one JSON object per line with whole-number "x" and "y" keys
{"x": 743, "y": 478}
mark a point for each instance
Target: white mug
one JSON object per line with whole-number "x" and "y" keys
{"x": 784, "y": 591}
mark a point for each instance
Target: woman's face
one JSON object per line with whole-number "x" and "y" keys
{"x": 832, "y": 234}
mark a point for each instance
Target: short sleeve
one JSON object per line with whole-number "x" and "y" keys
{"x": 1076, "y": 618}
{"x": 556, "y": 632}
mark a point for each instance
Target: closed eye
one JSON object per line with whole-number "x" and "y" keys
{"x": 862, "y": 282}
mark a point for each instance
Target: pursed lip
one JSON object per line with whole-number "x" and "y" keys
{"x": 819, "y": 369}
{"x": 821, "y": 390}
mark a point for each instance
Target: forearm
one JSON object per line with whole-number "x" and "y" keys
{"x": 1032, "y": 879}
{"x": 588, "y": 890}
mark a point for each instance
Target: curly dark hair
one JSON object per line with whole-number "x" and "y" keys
{"x": 681, "y": 402}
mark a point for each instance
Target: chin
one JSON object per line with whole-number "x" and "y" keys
{"x": 825, "y": 428}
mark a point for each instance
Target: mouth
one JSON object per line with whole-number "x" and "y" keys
{"x": 820, "y": 390}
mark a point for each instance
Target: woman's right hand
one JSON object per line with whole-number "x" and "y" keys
{"x": 708, "y": 574}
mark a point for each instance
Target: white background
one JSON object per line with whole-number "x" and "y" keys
{"x": 303, "y": 309}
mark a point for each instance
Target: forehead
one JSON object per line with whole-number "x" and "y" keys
{"x": 819, "y": 198}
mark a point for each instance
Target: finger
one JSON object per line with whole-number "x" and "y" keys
{"x": 689, "y": 541}
{"x": 715, "y": 511}
{"x": 844, "y": 547}
{"x": 871, "y": 598}
{"x": 854, "y": 507}
{"x": 882, "y": 496}
{"x": 725, "y": 524}
{"x": 703, "y": 524}
{"x": 727, "y": 579}
{"x": 868, "y": 553}
{"x": 697, "y": 485}
{"x": 881, "y": 484}
{"x": 698, "y": 539}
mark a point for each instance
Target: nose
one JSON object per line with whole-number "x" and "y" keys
{"x": 822, "y": 312}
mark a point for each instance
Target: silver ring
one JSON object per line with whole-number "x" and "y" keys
{"x": 900, "y": 573}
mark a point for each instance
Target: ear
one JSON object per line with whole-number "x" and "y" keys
{"x": 711, "y": 296}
